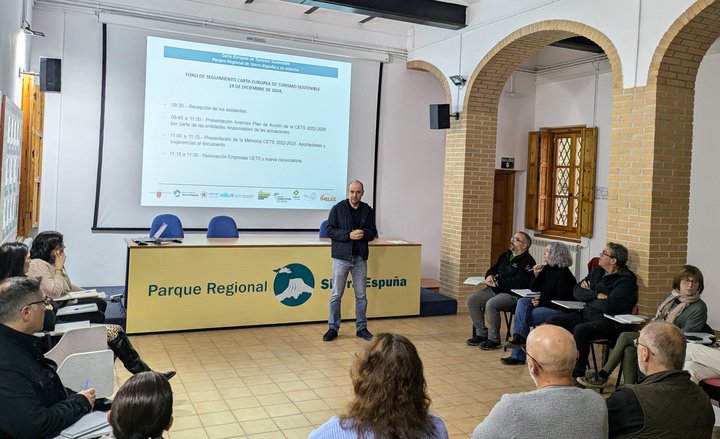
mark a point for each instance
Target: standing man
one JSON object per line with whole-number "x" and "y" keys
{"x": 34, "y": 402}
{"x": 513, "y": 269}
{"x": 666, "y": 404}
{"x": 351, "y": 225}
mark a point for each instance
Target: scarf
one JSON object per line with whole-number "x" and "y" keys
{"x": 666, "y": 311}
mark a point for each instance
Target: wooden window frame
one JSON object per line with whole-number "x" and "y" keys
{"x": 541, "y": 178}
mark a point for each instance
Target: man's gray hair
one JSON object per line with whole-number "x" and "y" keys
{"x": 667, "y": 342}
{"x": 16, "y": 292}
{"x": 559, "y": 255}
{"x": 528, "y": 239}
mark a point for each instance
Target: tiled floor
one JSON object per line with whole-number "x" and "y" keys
{"x": 283, "y": 381}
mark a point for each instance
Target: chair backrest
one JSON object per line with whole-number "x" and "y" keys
{"x": 323, "y": 233}
{"x": 95, "y": 368}
{"x": 593, "y": 264}
{"x": 77, "y": 340}
{"x": 222, "y": 227}
{"x": 174, "y": 227}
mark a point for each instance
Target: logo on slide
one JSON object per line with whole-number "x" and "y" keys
{"x": 293, "y": 284}
{"x": 176, "y": 193}
{"x": 326, "y": 197}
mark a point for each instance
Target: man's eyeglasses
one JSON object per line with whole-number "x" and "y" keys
{"x": 513, "y": 239}
{"x": 636, "y": 343}
{"x": 689, "y": 280}
{"x": 45, "y": 301}
{"x": 524, "y": 349}
{"x": 604, "y": 253}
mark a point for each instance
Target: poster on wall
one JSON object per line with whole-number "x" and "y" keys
{"x": 10, "y": 155}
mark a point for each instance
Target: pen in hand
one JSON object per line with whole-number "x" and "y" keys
{"x": 85, "y": 386}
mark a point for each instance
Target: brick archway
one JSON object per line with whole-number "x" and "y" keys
{"x": 471, "y": 144}
{"x": 652, "y": 131}
{"x": 425, "y": 66}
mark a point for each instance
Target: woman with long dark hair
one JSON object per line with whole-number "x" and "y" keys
{"x": 391, "y": 399}
{"x": 14, "y": 261}
{"x": 142, "y": 408}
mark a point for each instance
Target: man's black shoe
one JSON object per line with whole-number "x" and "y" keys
{"x": 169, "y": 374}
{"x": 475, "y": 341}
{"x": 516, "y": 343}
{"x": 510, "y": 361}
{"x": 330, "y": 335}
{"x": 489, "y": 345}
{"x": 364, "y": 334}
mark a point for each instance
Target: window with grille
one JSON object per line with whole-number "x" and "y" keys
{"x": 561, "y": 180}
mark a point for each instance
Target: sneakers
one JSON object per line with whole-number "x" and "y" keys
{"x": 475, "y": 341}
{"x": 510, "y": 361}
{"x": 364, "y": 334}
{"x": 593, "y": 381}
{"x": 489, "y": 345}
{"x": 330, "y": 335}
{"x": 516, "y": 343}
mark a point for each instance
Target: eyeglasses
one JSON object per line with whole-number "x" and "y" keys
{"x": 45, "y": 301}
{"x": 513, "y": 239}
{"x": 524, "y": 349}
{"x": 604, "y": 253}
{"x": 636, "y": 343}
{"x": 689, "y": 280}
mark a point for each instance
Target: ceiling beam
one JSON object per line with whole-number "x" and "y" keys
{"x": 425, "y": 12}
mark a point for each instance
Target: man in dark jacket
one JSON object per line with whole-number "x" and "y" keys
{"x": 610, "y": 289}
{"x": 666, "y": 404}
{"x": 34, "y": 402}
{"x": 351, "y": 225}
{"x": 512, "y": 270}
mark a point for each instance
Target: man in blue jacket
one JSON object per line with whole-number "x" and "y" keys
{"x": 351, "y": 225}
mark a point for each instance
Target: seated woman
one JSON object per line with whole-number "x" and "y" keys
{"x": 683, "y": 307}
{"x": 554, "y": 281}
{"x": 47, "y": 263}
{"x": 15, "y": 261}
{"x": 391, "y": 399}
{"x": 142, "y": 408}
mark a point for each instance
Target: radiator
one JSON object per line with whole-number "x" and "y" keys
{"x": 538, "y": 248}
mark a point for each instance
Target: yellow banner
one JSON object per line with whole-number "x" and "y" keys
{"x": 177, "y": 288}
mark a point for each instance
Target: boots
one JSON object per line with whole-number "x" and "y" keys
{"x": 124, "y": 350}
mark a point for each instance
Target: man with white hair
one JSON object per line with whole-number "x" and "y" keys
{"x": 557, "y": 408}
{"x": 667, "y": 404}
{"x": 34, "y": 402}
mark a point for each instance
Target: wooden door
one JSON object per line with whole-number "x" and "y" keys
{"x": 503, "y": 212}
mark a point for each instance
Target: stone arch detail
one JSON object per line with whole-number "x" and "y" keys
{"x": 470, "y": 150}
{"x": 652, "y": 153}
{"x": 425, "y": 66}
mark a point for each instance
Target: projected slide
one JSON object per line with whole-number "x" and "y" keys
{"x": 229, "y": 127}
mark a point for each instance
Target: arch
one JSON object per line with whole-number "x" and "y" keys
{"x": 425, "y": 66}
{"x": 471, "y": 144}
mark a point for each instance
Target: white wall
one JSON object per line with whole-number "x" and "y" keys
{"x": 411, "y": 163}
{"x": 704, "y": 196}
{"x": 14, "y": 49}
{"x": 71, "y": 146}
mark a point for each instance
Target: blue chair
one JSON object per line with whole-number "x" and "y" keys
{"x": 323, "y": 233}
{"x": 174, "y": 227}
{"x": 222, "y": 227}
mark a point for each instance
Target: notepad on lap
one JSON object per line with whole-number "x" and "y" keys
{"x": 474, "y": 280}
{"x": 87, "y": 424}
{"x": 526, "y": 293}
{"x": 627, "y": 319}
{"x": 84, "y": 294}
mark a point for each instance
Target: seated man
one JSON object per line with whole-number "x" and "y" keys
{"x": 666, "y": 403}
{"x": 609, "y": 289}
{"x": 557, "y": 409}
{"x": 34, "y": 402}
{"x": 512, "y": 270}
{"x": 702, "y": 362}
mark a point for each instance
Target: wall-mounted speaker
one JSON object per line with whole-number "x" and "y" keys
{"x": 439, "y": 116}
{"x": 50, "y": 74}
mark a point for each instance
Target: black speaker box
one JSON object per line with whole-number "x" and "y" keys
{"x": 439, "y": 116}
{"x": 50, "y": 74}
